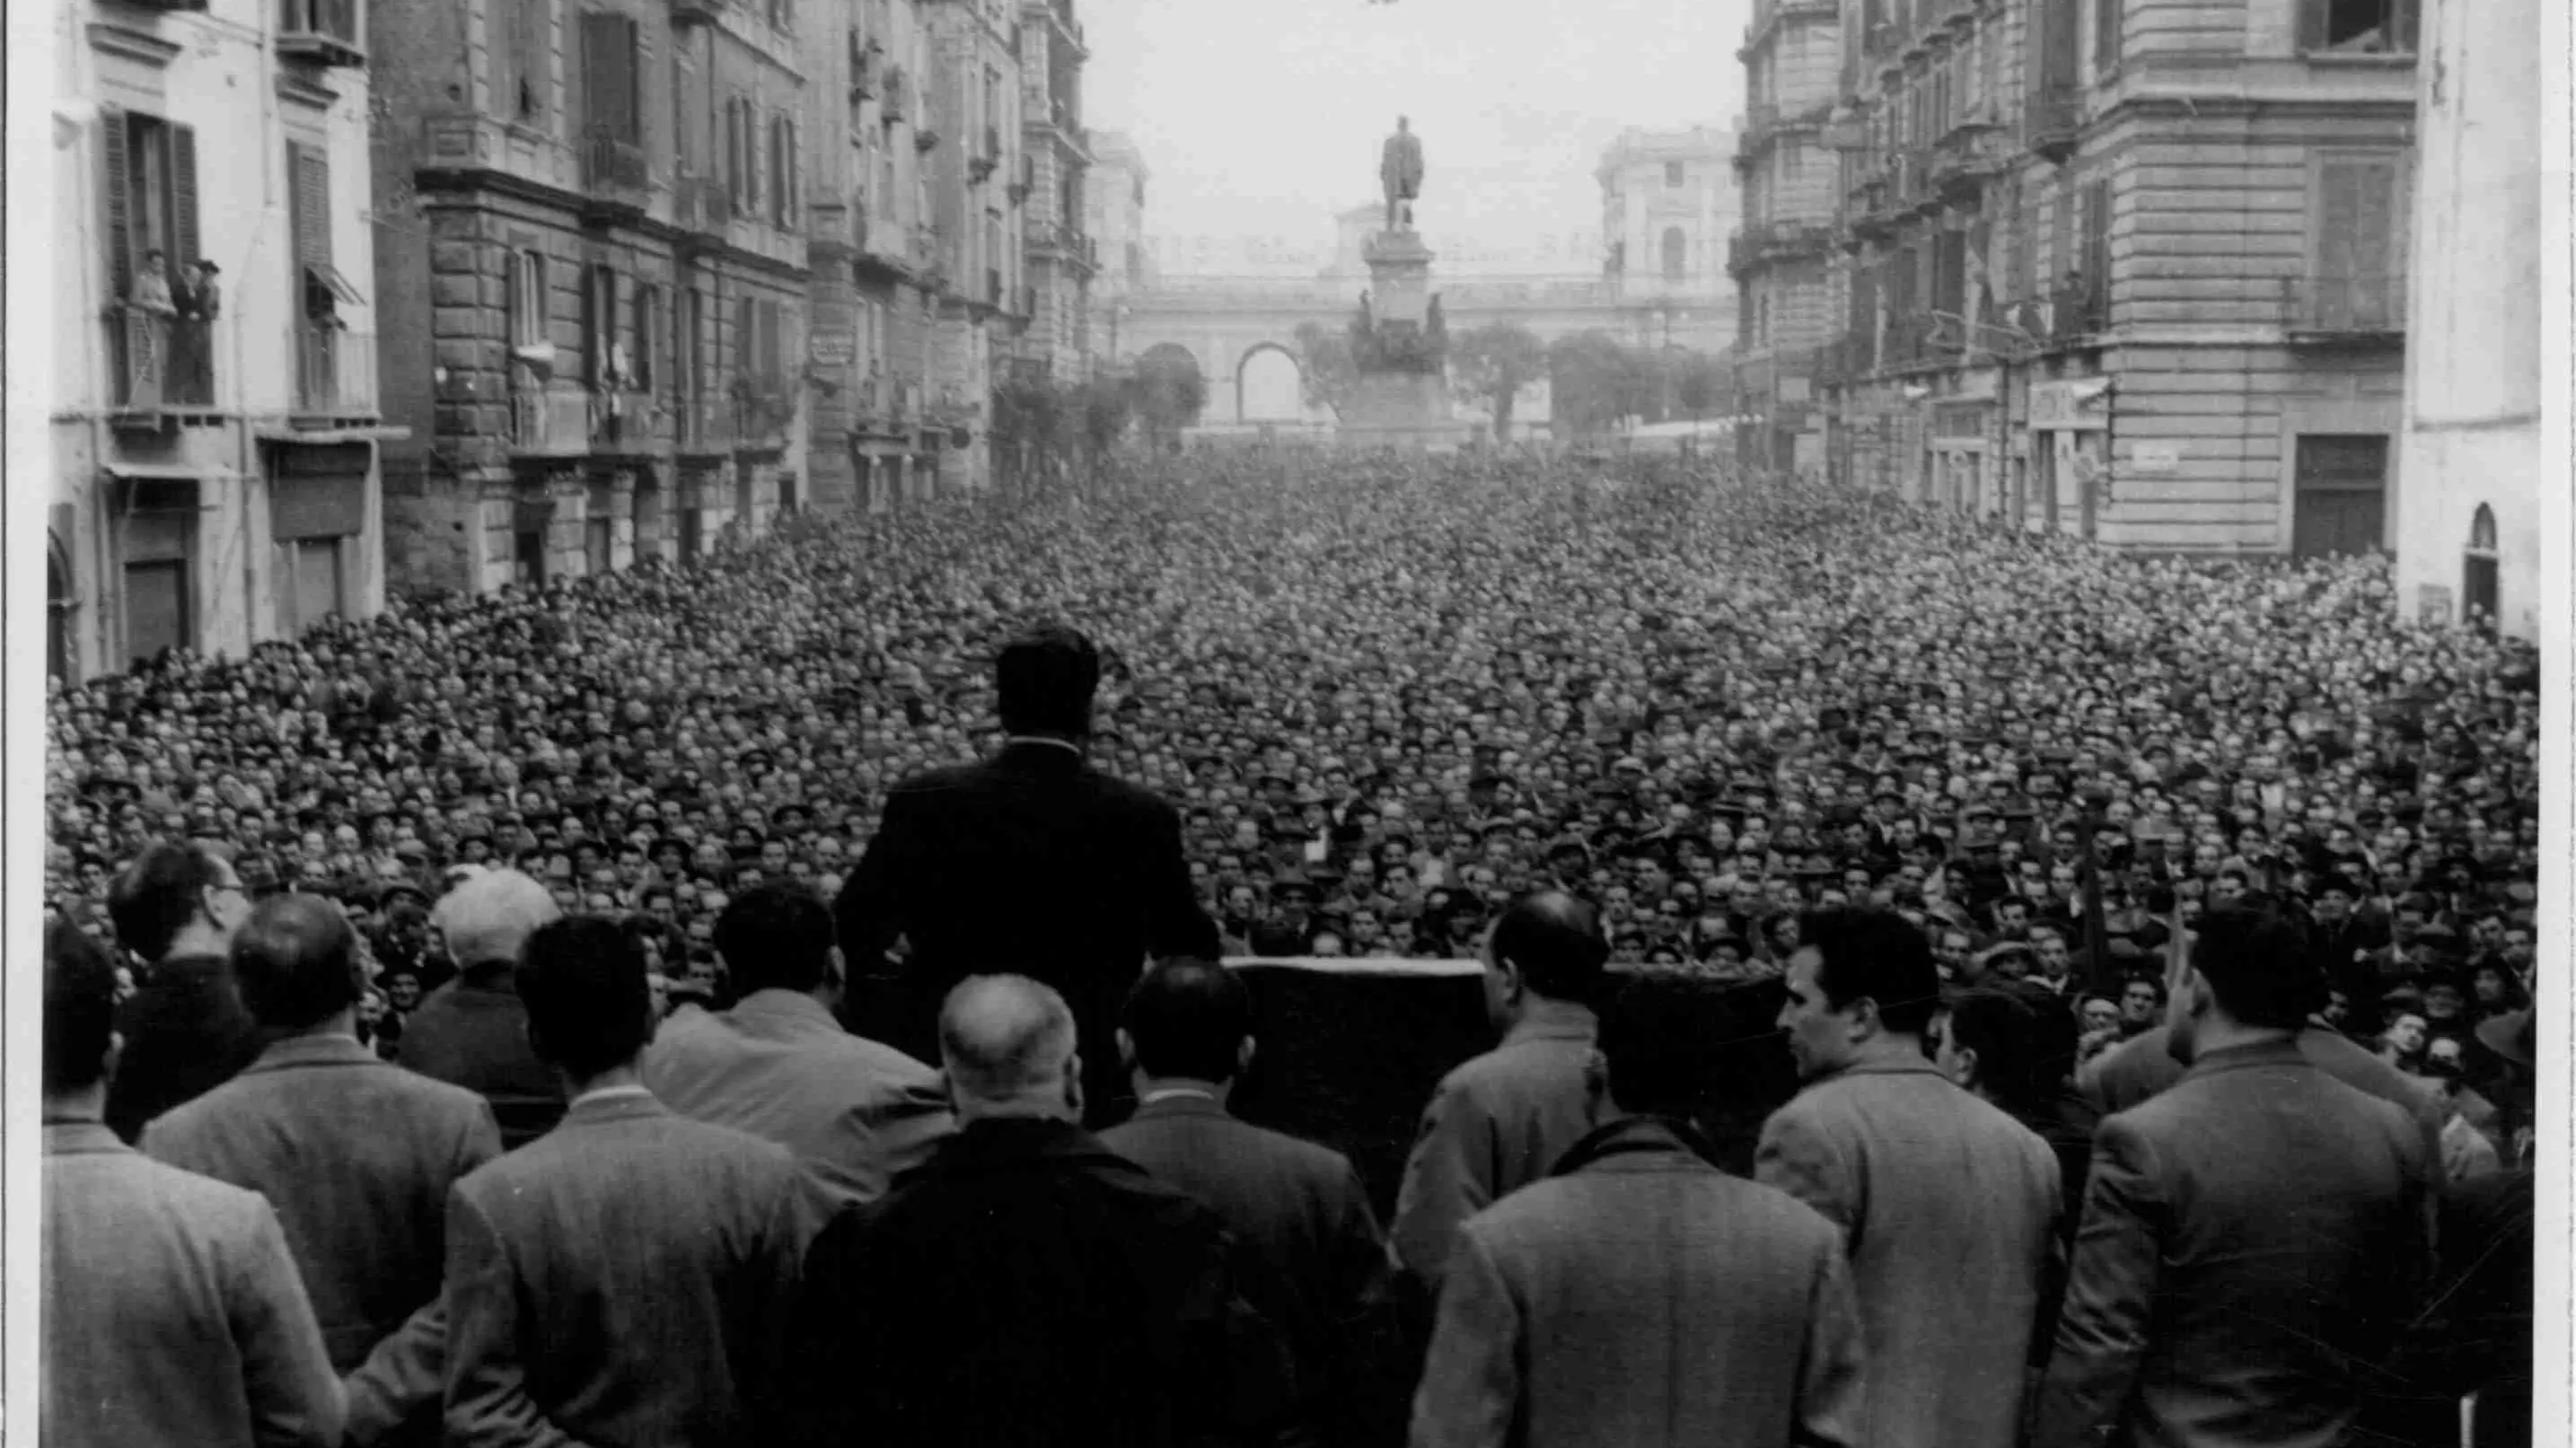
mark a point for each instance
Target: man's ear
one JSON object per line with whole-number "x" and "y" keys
{"x": 1126, "y": 1049}
{"x": 836, "y": 969}
{"x": 1243, "y": 1055}
{"x": 1073, "y": 1083}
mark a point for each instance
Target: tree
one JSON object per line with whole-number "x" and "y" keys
{"x": 1492, "y": 363}
{"x": 1701, "y": 385}
{"x": 1167, "y": 394}
{"x": 1597, "y": 380}
{"x": 1328, "y": 373}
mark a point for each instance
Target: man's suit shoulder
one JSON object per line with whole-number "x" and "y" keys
{"x": 677, "y": 1145}
{"x": 1294, "y": 1153}
{"x": 1547, "y": 1208}
{"x": 2189, "y": 1105}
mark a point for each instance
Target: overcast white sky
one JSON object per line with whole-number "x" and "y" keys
{"x": 1259, "y": 119}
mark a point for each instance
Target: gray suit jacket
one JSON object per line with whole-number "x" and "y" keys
{"x": 621, "y": 1282}
{"x": 1316, "y": 1265}
{"x": 856, "y": 1113}
{"x": 1948, "y": 1206}
{"x": 2252, "y": 1240}
{"x": 173, "y": 1317}
{"x": 357, "y": 1156}
{"x": 1645, "y": 1299}
{"x": 1497, "y": 1123}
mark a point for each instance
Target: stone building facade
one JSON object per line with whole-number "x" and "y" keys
{"x": 210, "y": 381}
{"x": 1779, "y": 257}
{"x": 1062, "y": 256}
{"x": 1113, "y": 219}
{"x": 2128, "y": 269}
{"x": 594, "y": 315}
{"x": 1668, "y": 201}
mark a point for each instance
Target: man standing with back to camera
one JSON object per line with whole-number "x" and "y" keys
{"x": 1031, "y": 861}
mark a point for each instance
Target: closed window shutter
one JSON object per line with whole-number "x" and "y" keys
{"x": 535, "y": 43}
{"x": 501, "y": 37}
{"x": 120, "y": 203}
{"x": 594, "y": 68}
{"x": 630, "y": 76}
{"x": 2312, "y": 24}
{"x": 594, "y": 349}
{"x": 2106, "y": 34}
{"x": 183, "y": 196}
{"x": 313, "y": 202}
{"x": 2357, "y": 253}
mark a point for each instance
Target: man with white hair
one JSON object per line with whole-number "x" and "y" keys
{"x": 473, "y": 1031}
{"x": 1027, "y": 1285}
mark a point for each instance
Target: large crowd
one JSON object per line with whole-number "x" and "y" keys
{"x": 1391, "y": 698}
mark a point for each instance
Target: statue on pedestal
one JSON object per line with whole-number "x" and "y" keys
{"x": 1399, "y": 174}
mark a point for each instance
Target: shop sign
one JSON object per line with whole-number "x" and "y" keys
{"x": 833, "y": 348}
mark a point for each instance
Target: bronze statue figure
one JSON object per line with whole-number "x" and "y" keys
{"x": 1399, "y": 174}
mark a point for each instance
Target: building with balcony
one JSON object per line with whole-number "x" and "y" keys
{"x": 2469, "y": 482}
{"x": 1779, "y": 257}
{"x": 211, "y": 385}
{"x": 1668, "y": 202}
{"x": 2127, "y": 269}
{"x": 879, "y": 273}
{"x": 1062, "y": 255}
{"x": 592, "y": 268}
{"x": 1113, "y": 212}
{"x": 971, "y": 137}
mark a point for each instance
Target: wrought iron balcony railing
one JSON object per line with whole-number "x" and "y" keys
{"x": 2369, "y": 307}
{"x": 335, "y": 373}
{"x": 326, "y": 32}
{"x": 158, "y": 363}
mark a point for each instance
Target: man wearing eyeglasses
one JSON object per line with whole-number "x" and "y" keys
{"x": 185, "y": 1030}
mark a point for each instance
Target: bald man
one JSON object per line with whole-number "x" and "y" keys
{"x": 473, "y": 1031}
{"x": 1501, "y": 1121}
{"x": 1027, "y": 1286}
{"x": 355, "y": 1154}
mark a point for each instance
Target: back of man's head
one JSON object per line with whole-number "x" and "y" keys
{"x": 297, "y": 961}
{"x": 776, "y": 937}
{"x": 80, "y": 1010}
{"x": 1872, "y": 953}
{"x": 590, "y": 1008}
{"x": 1044, "y": 680}
{"x": 1006, "y": 1040}
{"x": 159, "y": 895}
{"x": 1555, "y": 941}
{"x": 1658, "y": 1045}
{"x": 488, "y": 919}
{"x": 2255, "y": 960}
{"x": 1188, "y": 1020}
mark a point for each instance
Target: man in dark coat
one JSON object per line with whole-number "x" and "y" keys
{"x": 1032, "y": 862}
{"x": 1027, "y": 1287}
{"x": 2253, "y": 1238}
{"x": 186, "y": 1030}
{"x": 1320, "y": 1270}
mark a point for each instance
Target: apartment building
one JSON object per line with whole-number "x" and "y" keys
{"x": 974, "y": 130}
{"x": 1062, "y": 256}
{"x": 1668, "y": 202}
{"x": 211, "y": 380}
{"x": 873, "y": 426}
{"x": 593, "y": 274}
{"x": 2469, "y": 484}
{"x": 2130, "y": 269}
{"x": 1789, "y": 181}
{"x": 1113, "y": 222}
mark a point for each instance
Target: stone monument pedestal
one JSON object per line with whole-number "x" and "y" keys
{"x": 1402, "y": 398}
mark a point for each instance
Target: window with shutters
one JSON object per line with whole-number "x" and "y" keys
{"x": 325, "y": 291}
{"x": 599, "y": 326}
{"x": 2357, "y": 267}
{"x": 525, "y": 300}
{"x": 737, "y": 171}
{"x": 745, "y": 371}
{"x": 2106, "y": 36}
{"x": 644, "y": 371}
{"x": 161, "y": 309}
{"x": 692, "y": 342}
{"x": 612, "y": 77}
{"x": 2359, "y": 27}
{"x": 519, "y": 35}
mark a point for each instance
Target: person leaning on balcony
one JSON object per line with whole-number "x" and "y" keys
{"x": 198, "y": 302}
{"x": 151, "y": 298}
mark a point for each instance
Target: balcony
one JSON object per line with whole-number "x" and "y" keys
{"x": 2348, "y": 311}
{"x": 158, "y": 366}
{"x": 323, "y": 32}
{"x": 699, "y": 203}
{"x": 549, "y": 421}
{"x": 615, "y": 181}
{"x": 894, "y": 99}
{"x": 1966, "y": 159}
{"x": 2078, "y": 312}
{"x": 1057, "y": 241}
{"x": 763, "y": 405}
{"x": 335, "y": 376}
{"x": 2053, "y": 124}
{"x": 697, "y": 12}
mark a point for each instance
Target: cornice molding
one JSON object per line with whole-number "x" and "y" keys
{"x": 131, "y": 44}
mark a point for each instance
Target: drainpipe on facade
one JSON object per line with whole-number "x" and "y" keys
{"x": 247, "y": 450}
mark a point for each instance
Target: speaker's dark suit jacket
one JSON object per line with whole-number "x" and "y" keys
{"x": 186, "y": 1032}
{"x": 1030, "y": 863}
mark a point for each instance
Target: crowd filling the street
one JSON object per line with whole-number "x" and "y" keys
{"x": 796, "y": 997}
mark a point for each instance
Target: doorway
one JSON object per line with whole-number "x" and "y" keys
{"x": 156, "y": 608}
{"x": 2340, "y": 505}
{"x": 2479, "y": 584}
{"x": 58, "y": 615}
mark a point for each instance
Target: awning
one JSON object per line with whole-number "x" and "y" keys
{"x": 320, "y": 274}
{"x": 161, "y": 473}
{"x": 286, "y": 432}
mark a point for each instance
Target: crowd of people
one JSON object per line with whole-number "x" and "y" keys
{"x": 1961, "y": 795}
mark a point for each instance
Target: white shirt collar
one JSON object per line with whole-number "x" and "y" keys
{"x": 1171, "y": 1092}
{"x": 1064, "y": 744}
{"x": 612, "y": 1093}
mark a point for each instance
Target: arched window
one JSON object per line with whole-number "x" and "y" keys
{"x": 1676, "y": 254}
{"x": 2482, "y": 530}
